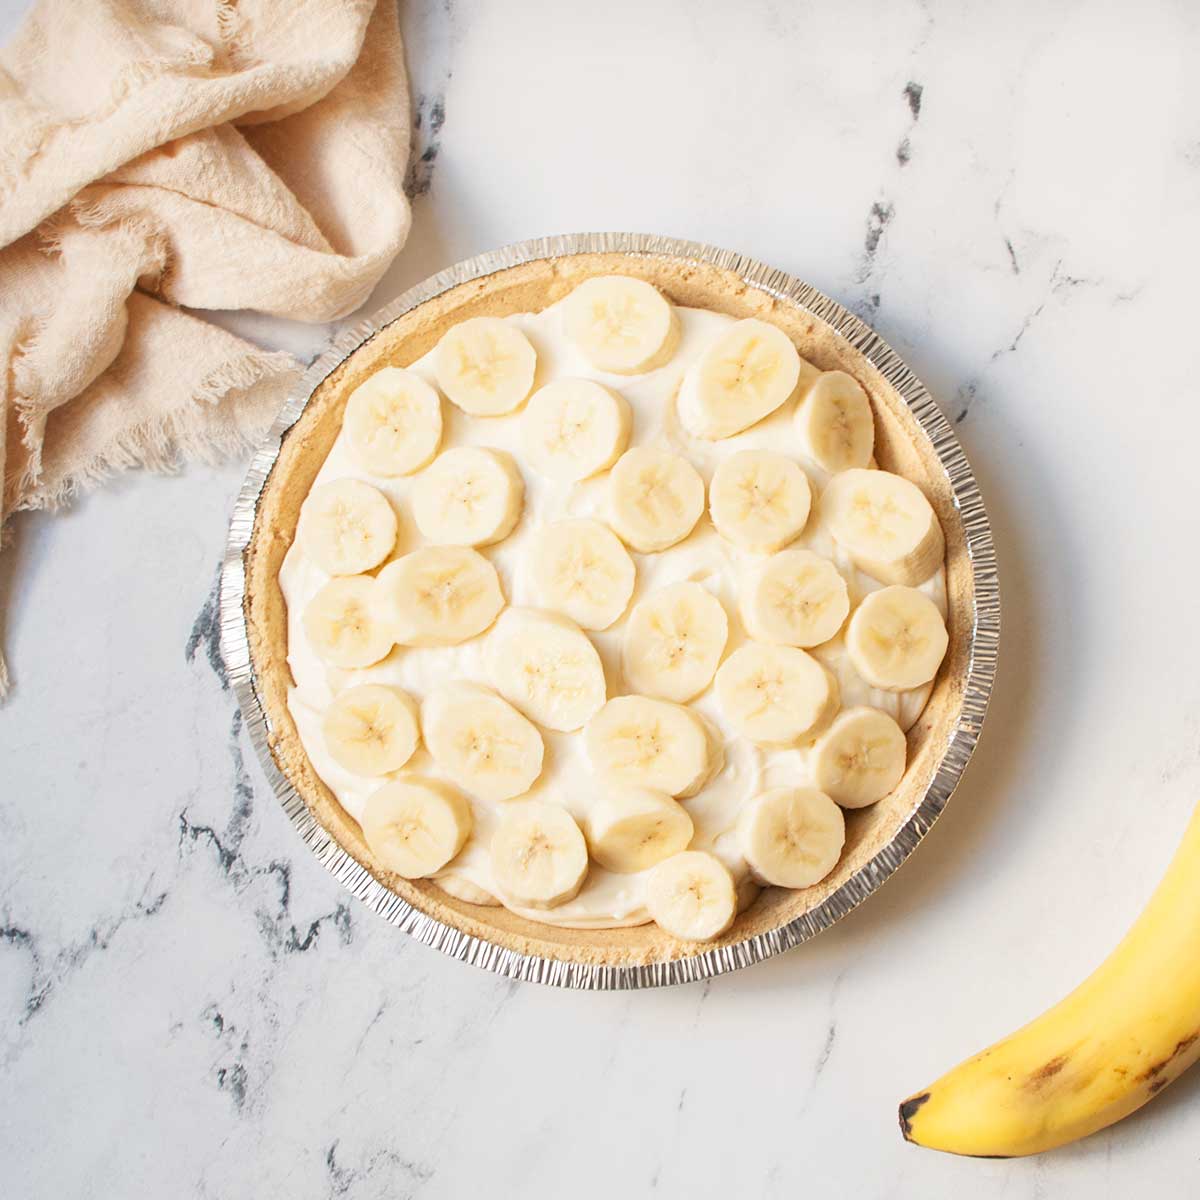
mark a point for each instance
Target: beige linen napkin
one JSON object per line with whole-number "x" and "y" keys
{"x": 156, "y": 153}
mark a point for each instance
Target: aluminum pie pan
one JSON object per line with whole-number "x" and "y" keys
{"x": 975, "y": 691}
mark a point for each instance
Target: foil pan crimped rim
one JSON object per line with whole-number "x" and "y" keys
{"x": 981, "y": 670}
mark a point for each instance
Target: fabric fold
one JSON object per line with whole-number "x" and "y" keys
{"x": 244, "y": 155}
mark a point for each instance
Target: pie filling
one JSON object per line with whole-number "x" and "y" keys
{"x": 611, "y": 613}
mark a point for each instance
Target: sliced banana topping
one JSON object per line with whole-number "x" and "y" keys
{"x": 792, "y": 837}
{"x": 546, "y": 666}
{"x": 573, "y": 428}
{"x": 639, "y": 742}
{"x": 347, "y": 526}
{"x": 539, "y": 855}
{"x": 885, "y": 524}
{"x": 485, "y": 365}
{"x": 860, "y": 758}
{"x": 692, "y": 896}
{"x": 564, "y": 488}
{"x": 834, "y": 422}
{"x": 655, "y": 498}
{"x": 581, "y": 569}
{"x": 794, "y": 598}
{"x": 759, "y": 500}
{"x": 393, "y": 422}
{"x": 747, "y": 373}
{"x": 372, "y": 729}
{"x": 463, "y": 889}
{"x": 415, "y": 826}
{"x": 748, "y": 891}
{"x": 896, "y": 639}
{"x": 631, "y": 829}
{"x": 775, "y": 695}
{"x": 481, "y": 741}
{"x": 438, "y": 596}
{"x": 621, "y": 324}
{"x": 342, "y": 626}
{"x": 469, "y": 497}
{"x": 673, "y": 642}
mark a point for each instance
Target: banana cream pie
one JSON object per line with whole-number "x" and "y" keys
{"x": 596, "y": 596}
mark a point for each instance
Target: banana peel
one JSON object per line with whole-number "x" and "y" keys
{"x": 1111, "y": 1046}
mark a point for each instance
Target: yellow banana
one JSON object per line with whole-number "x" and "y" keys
{"x": 1110, "y": 1046}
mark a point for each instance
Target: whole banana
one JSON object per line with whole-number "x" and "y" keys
{"x": 1113, "y": 1044}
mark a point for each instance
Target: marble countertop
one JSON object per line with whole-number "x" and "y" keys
{"x": 190, "y": 1005}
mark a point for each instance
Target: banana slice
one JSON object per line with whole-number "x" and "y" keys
{"x": 573, "y": 428}
{"x": 438, "y": 596}
{"x": 464, "y": 889}
{"x": 860, "y": 758}
{"x": 792, "y": 837}
{"x": 759, "y": 500}
{"x": 415, "y": 826}
{"x": 745, "y": 375}
{"x": 580, "y": 569}
{"x": 539, "y": 856}
{"x": 547, "y": 667}
{"x": 620, "y": 324}
{"x": 748, "y": 891}
{"x": 655, "y": 498}
{"x": 896, "y": 639}
{"x": 347, "y": 527}
{"x": 393, "y": 422}
{"x": 372, "y": 729}
{"x": 885, "y": 524}
{"x": 342, "y": 626}
{"x": 481, "y": 741}
{"x": 485, "y": 366}
{"x": 674, "y": 641}
{"x": 775, "y": 695}
{"x": 468, "y": 497}
{"x": 692, "y": 896}
{"x": 639, "y": 742}
{"x": 795, "y": 598}
{"x": 632, "y": 829}
{"x": 834, "y": 423}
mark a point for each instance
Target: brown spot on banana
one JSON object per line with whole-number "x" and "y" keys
{"x": 908, "y": 1110}
{"x": 1156, "y": 1069}
{"x": 1047, "y": 1071}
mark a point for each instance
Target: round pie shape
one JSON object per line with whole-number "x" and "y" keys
{"x": 901, "y": 447}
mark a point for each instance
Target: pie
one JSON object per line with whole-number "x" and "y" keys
{"x": 608, "y": 608}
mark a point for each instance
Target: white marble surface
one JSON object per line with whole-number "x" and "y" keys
{"x": 190, "y": 1005}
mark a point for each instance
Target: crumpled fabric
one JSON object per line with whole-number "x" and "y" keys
{"x": 164, "y": 153}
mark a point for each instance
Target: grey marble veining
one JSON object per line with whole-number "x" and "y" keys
{"x": 191, "y": 1006}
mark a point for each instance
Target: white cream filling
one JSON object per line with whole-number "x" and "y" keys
{"x": 607, "y": 899}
